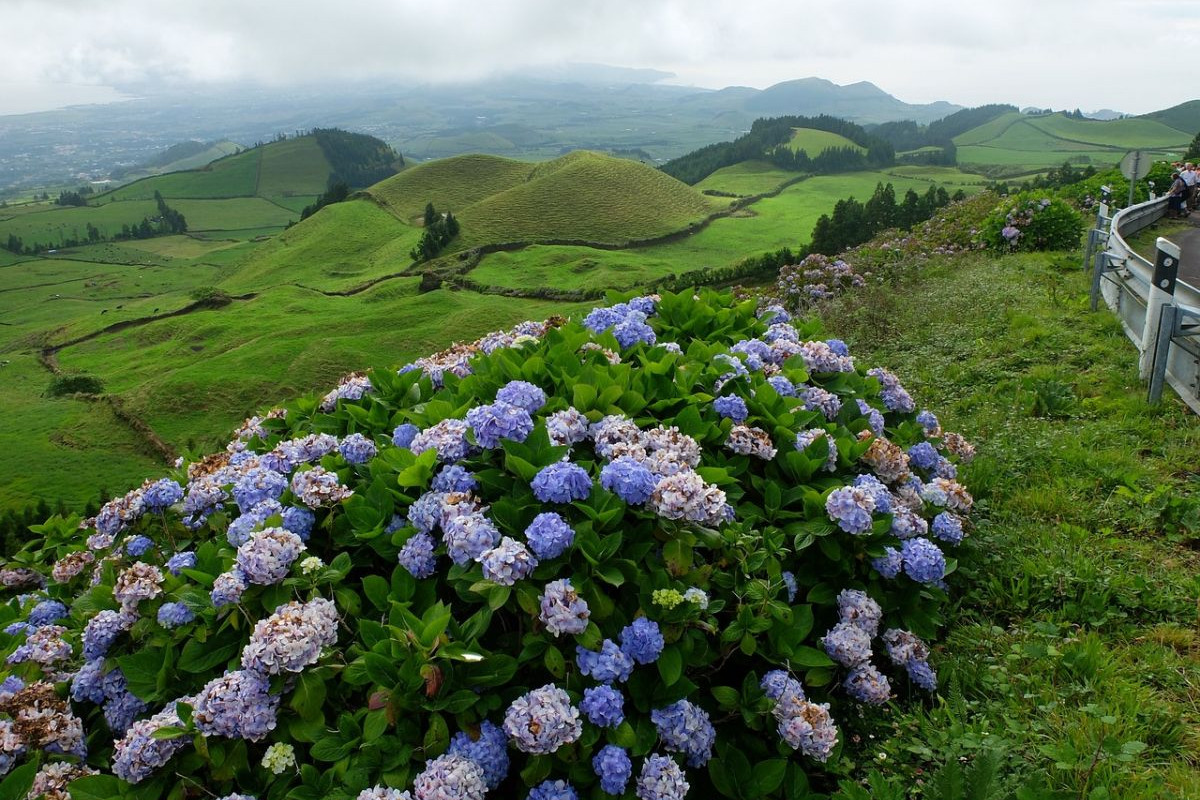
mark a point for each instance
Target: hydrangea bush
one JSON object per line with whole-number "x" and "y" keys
{"x": 1032, "y": 222}
{"x": 662, "y": 550}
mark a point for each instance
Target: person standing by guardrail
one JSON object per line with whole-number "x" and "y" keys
{"x": 1189, "y": 176}
{"x": 1177, "y": 197}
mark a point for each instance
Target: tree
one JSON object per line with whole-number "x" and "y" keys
{"x": 1193, "y": 151}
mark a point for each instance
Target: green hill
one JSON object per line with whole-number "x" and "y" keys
{"x": 815, "y": 142}
{"x": 587, "y": 196}
{"x": 185, "y": 155}
{"x": 1184, "y": 117}
{"x": 451, "y": 184}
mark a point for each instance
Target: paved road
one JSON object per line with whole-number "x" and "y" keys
{"x": 1189, "y": 246}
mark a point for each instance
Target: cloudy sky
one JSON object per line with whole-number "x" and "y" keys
{"x": 1130, "y": 55}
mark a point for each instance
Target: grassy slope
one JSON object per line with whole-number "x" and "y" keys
{"x": 1015, "y": 139}
{"x": 815, "y": 142}
{"x": 234, "y": 176}
{"x": 1074, "y": 643}
{"x": 451, "y": 184}
{"x": 746, "y": 178}
{"x": 56, "y": 222}
{"x": 1184, "y": 117}
{"x": 586, "y": 196}
{"x": 293, "y": 167}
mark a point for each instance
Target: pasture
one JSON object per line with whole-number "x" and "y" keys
{"x": 815, "y": 142}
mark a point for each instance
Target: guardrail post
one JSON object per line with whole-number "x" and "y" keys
{"x": 1162, "y": 290}
{"x": 1097, "y": 275}
{"x": 1166, "y": 330}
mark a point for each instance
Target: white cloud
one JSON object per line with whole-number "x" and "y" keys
{"x": 1062, "y": 53}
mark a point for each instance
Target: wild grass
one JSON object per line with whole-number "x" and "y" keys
{"x": 294, "y": 166}
{"x": 450, "y": 184}
{"x": 235, "y": 213}
{"x": 815, "y": 142}
{"x": 232, "y": 176}
{"x": 56, "y": 223}
{"x": 746, "y": 178}
{"x": 1072, "y": 649}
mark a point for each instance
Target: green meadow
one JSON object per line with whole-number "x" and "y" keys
{"x": 815, "y": 142}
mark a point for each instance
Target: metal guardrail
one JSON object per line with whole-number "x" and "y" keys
{"x": 1160, "y": 315}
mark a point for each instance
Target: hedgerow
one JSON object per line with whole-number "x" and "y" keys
{"x": 666, "y": 546}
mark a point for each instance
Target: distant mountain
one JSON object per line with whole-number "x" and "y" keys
{"x": 592, "y": 73}
{"x": 1105, "y": 114}
{"x": 860, "y": 102}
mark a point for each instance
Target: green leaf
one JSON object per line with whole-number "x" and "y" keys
{"x": 810, "y": 657}
{"x": 94, "y": 787}
{"x": 374, "y": 725}
{"x": 17, "y": 784}
{"x": 309, "y": 695}
{"x": 377, "y": 590}
{"x": 200, "y": 657}
{"x": 333, "y": 748}
{"x": 556, "y": 665}
{"x": 768, "y": 775}
{"x": 141, "y": 672}
{"x": 670, "y": 665}
{"x": 726, "y": 696}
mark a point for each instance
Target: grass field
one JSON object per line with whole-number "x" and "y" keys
{"x": 815, "y": 142}
{"x": 235, "y": 213}
{"x": 1072, "y": 656}
{"x": 294, "y": 167}
{"x": 1016, "y": 139}
{"x": 56, "y": 223}
{"x": 450, "y": 184}
{"x": 746, "y": 179}
{"x": 232, "y": 176}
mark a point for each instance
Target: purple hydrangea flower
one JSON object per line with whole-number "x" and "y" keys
{"x": 857, "y": 608}
{"x": 227, "y": 589}
{"x": 448, "y": 438}
{"x": 817, "y": 399}
{"x": 661, "y": 779}
{"x": 848, "y": 644}
{"x": 562, "y": 609}
{"x": 604, "y": 706}
{"x": 162, "y": 493}
{"x": 238, "y": 705}
{"x": 291, "y": 639}
{"x": 46, "y": 613}
{"x": 922, "y": 675}
{"x": 138, "y": 754}
{"x": 549, "y": 535}
{"x": 299, "y": 521}
{"x": 642, "y": 641}
{"x": 928, "y": 421}
{"x": 417, "y": 556}
{"x": 608, "y": 665}
{"x": 889, "y": 564}
{"x": 875, "y": 420}
{"x": 782, "y": 386}
{"x": 468, "y": 536}
{"x": 553, "y": 790}
{"x": 450, "y": 776}
{"x": 867, "y": 685}
{"x": 684, "y": 727}
{"x": 851, "y": 508}
{"x": 923, "y": 456}
{"x": 88, "y": 683}
{"x": 778, "y": 683}
{"x": 614, "y": 767}
{"x": 567, "y": 427}
{"x": 561, "y": 482}
{"x": 789, "y": 582}
{"x": 426, "y": 513}
{"x": 948, "y": 527}
{"x": 543, "y": 720}
{"x": 731, "y": 407}
{"x": 103, "y": 629}
{"x": 172, "y": 615}
{"x": 629, "y": 479}
{"x": 357, "y": 449}
{"x": 267, "y": 557}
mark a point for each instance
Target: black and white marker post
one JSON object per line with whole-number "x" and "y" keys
{"x": 1162, "y": 292}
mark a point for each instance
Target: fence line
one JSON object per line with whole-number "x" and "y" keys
{"x": 1160, "y": 314}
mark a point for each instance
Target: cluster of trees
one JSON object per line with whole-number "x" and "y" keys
{"x": 168, "y": 221}
{"x": 75, "y": 198}
{"x": 440, "y": 228}
{"x": 336, "y": 193}
{"x": 766, "y": 140}
{"x": 1066, "y": 175}
{"x": 1193, "y": 151}
{"x": 853, "y": 223}
{"x": 938, "y": 136}
{"x": 358, "y": 160}
{"x": 14, "y": 524}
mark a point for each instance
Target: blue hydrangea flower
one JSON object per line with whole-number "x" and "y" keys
{"x": 875, "y": 420}
{"x": 642, "y": 640}
{"x": 614, "y": 767}
{"x": 489, "y": 751}
{"x": 256, "y": 486}
{"x": 923, "y": 456}
{"x": 867, "y": 685}
{"x": 645, "y": 304}
{"x": 450, "y": 776}
{"x": 498, "y": 421}
{"x": 604, "y": 706}
{"x": 817, "y": 399}
{"x": 357, "y": 449}
{"x": 507, "y": 562}
{"x": 522, "y": 394}
{"x": 782, "y": 386}
{"x": 857, "y": 608}
{"x": 227, "y": 589}
{"x": 454, "y": 478}
{"x": 542, "y": 720}
{"x": 924, "y": 561}
{"x": 299, "y": 521}
{"x": 549, "y": 535}
{"x": 778, "y": 683}
{"x": 632, "y": 330}
{"x": 661, "y": 779}
{"x": 404, "y": 434}
{"x": 88, "y": 683}
{"x": 928, "y": 421}
{"x": 605, "y": 666}
{"x": 851, "y": 508}
{"x": 789, "y": 582}
{"x": 731, "y": 407}
{"x": 567, "y": 427}
{"x": 177, "y": 563}
{"x": 238, "y": 705}
{"x": 426, "y": 513}
{"x": 629, "y": 479}
{"x": 162, "y": 493}
{"x": 240, "y": 530}
{"x": 684, "y": 727}
{"x": 561, "y": 482}
{"x": 562, "y": 609}
{"x": 138, "y": 545}
{"x": 889, "y": 564}
{"x": 468, "y": 536}
{"x": 847, "y": 644}
{"x": 922, "y": 675}
{"x": 878, "y": 491}
{"x": 103, "y": 629}
{"x": 553, "y": 790}
{"x": 172, "y": 615}
{"x": 838, "y": 346}
{"x": 948, "y": 527}
{"x": 47, "y": 612}
{"x": 417, "y": 556}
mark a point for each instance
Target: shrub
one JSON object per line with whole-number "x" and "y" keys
{"x": 1032, "y": 222}
{"x": 75, "y": 384}
{"x": 611, "y": 552}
